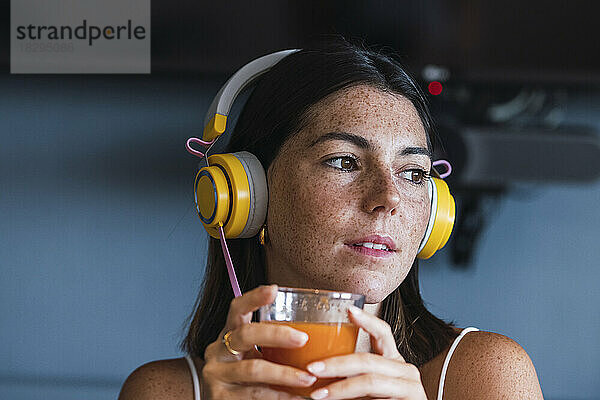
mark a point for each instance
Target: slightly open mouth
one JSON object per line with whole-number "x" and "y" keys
{"x": 370, "y": 248}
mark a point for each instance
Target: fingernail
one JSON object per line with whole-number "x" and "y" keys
{"x": 306, "y": 378}
{"x": 354, "y": 310}
{"x": 270, "y": 288}
{"x": 319, "y": 394}
{"x": 316, "y": 367}
{"x": 300, "y": 337}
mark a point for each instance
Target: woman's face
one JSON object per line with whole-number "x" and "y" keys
{"x": 325, "y": 194}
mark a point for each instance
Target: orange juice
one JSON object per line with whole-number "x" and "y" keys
{"x": 326, "y": 339}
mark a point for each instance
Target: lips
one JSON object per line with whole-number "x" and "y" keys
{"x": 365, "y": 251}
{"x": 378, "y": 239}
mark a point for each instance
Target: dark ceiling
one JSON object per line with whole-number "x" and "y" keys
{"x": 485, "y": 41}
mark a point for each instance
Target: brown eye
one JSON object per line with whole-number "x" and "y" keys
{"x": 416, "y": 176}
{"x": 346, "y": 163}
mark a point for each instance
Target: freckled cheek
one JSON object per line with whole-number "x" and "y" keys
{"x": 295, "y": 201}
{"x": 309, "y": 214}
{"x": 321, "y": 200}
{"x": 417, "y": 213}
{"x": 324, "y": 192}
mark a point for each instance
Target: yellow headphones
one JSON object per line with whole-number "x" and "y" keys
{"x": 232, "y": 190}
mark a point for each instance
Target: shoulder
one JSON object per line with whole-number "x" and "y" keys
{"x": 161, "y": 380}
{"x": 491, "y": 366}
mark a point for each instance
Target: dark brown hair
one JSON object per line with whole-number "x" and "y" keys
{"x": 277, "y": 108}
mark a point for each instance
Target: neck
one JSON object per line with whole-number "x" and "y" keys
{"x": 363, "y": 344}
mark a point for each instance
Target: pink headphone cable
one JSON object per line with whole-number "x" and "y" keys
{"x": 446, "y": 164}
{"x": 196, "y": 140}
{"x": 232, "y": 278}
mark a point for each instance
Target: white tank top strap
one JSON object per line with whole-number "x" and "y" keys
{"x": 194, "y": 377}
{"x": 447, "y": 360}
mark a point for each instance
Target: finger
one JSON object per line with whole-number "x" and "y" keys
{"x": 217, "y": 351}
{"x": 246, "y": 336}
{"x": 382, "y": 339}
{"x": 259, "y": 371}
{"x": 363, "y": 363}
{"x": 266, "y": 335}
{"x": 371, "y": 385}
{"x": 241, "y": 308}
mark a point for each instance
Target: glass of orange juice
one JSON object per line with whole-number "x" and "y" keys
{"x": 323, "y": 315}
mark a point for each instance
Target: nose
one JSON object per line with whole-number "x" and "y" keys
{"x": 381, "y": 192}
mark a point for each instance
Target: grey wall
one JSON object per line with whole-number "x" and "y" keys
{"x": 102, "y": 254}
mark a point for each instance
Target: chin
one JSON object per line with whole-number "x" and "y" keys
{"x": 376, "y": 297}
{"x": 374, "y": 286}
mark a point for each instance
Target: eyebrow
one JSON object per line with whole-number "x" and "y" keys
{"x": 363, "y": 143}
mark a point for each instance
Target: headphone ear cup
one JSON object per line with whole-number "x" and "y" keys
{"x": 232, "y": 192}
{"x": 259, "y": 195}
{"x": 441, "y": 219}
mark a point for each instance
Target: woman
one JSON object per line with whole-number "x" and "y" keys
{"x": 346, "y": 138}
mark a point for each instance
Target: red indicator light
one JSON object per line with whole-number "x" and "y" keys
{"x": 435, "y": 88}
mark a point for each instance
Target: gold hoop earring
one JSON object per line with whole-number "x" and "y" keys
{"x": 263, "y": 236}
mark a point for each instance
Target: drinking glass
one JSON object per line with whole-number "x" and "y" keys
{"x": 323, "y": 315}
